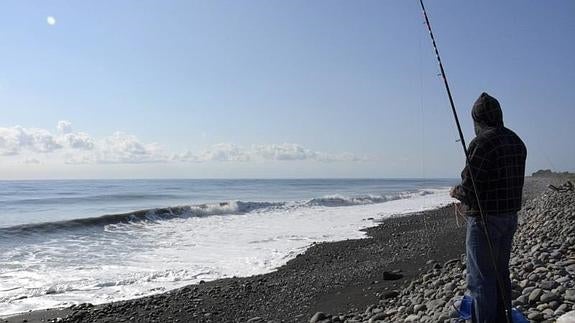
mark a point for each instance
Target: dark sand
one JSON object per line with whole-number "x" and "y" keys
{"x": 328, "y": 277}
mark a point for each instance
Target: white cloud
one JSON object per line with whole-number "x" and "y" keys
{"x": 77, "y": 140}
{"x": 77, "y": 147}
{"x": 74, "y": 147}
{"x": 279, "y": 152}
{"x": 125, "y": 148}
{"x": 283, "y": 152}
{"x": 64, "y": 126}
{"x": 31, "y": 161}
{"x": 119, "y": 148}
{"x": 16, "y": 139}
{"x": 218, "y": 152}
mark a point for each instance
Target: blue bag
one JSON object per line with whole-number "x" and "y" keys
{"x": 466, "y": 308}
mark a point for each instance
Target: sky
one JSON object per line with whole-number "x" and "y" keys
{"x": 275, "y": 89}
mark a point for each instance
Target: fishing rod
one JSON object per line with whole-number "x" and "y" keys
{"x": 469, "y": 168}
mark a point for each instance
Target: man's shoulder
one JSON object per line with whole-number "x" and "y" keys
{"x": 492, "y": 133}
{"x": 483, "y": 138}
{"x": 511, "y": 136}
{"x": 494, "y": 137}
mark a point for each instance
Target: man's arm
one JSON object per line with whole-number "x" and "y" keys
{"x": 478, "y": 162}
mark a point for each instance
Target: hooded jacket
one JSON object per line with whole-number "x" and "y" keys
{"x": 496, "y": 161}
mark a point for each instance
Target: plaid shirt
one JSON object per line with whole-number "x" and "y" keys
{"x": 497, "y": 160}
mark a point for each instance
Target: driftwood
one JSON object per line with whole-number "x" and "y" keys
{"x": 563, "y": 188}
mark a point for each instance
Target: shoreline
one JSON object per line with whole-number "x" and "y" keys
{"x": 327, "y": 277}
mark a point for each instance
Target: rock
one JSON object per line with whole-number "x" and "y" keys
{"x": 567, "y": 318}
{"x": 390, "y": 294}
{"x": 553, "y": 305}
{"x": 449, "y": 287}
{"x": 451, "y": 262}
{"x": 542, "y": 307}
{"x": 419, "y": 308}
{"x": 535, "y": 316}
{"x": 535, "y": 295}
{"x": 317, "y": 317}
{"x": 548, "y": 284}
{"x": 412, "y": 318}
{"x": 562, "y": 307}
{"x": 388, "y": 275}
{"x": 256, "y": 319}
{"x": 391, "y": 312}
{"x": 522, "y": 300}
{"x": 432, "y": 305}
{"x": 547, "y": 313}
{"x": 377, "y": 310}
{"x": 548, "y": 297}
{"x": 569, "y": 295}
{"x": 528, "y": 290}
{"x": 378, "y": 316}
{"x": 539, "y": 270}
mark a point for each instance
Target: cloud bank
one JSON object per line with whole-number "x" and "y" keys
{"x": 277, "y": 152}
{"x": 74, "y": 147}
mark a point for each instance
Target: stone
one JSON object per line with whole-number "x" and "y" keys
{"x": 535, "y": 295}
{"x": 562, "y": 307}
{"x": 567, "y": 318}
{"x": 317, "y": 317}
{"x": 376, "y": 317}
{"x": 553, "y": 305}
{"x": 391, "y": 312}
{"x": 419, "y": 308}
{"x": 540, "y": 270}
{"x": 436, "y": 303}
{"x": 390, "y": 294}
{"x": 535, "y": 316}
{"x": 569, "y": 295}
{"x": 548, "y": 284}
{"x": 528, "y": 267}
{"x": 449, "y": 287}
{"x": 412, "y": 318}
{"x": 522, "y": 300}
{"x": 548, "y": 297}
{"x": 524, "y": 283}
{"x": 528, "y": 290}
{"x": 387, "y": 275}
{"x": 547, "y": 313}
{"x": 542, "y": 307}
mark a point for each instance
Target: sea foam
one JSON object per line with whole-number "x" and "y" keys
{"x": 152, "y": 251}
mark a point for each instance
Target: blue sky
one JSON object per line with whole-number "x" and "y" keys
{"x": 275, "y": 88}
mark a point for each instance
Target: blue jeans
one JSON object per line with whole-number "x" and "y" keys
{"x": 481, "y": 275}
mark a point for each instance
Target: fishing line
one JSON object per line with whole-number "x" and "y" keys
{"x": 462, "y": 140}
{"x": 422, "y": 146}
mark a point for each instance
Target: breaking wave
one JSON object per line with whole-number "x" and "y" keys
{"x": 201, "y": 210}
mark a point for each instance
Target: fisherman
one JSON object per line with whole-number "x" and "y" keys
{"x": 493, "y": 198}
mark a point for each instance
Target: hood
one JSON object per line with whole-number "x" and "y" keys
{"x": 486, "y": 112}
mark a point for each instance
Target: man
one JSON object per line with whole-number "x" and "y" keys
{"x": 497, "y": 164}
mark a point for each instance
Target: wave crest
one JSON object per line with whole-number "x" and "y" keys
{"x": 201, "y": 210}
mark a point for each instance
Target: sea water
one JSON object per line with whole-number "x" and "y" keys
{"x": 96, "y": 241}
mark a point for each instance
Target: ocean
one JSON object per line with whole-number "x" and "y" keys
{"x": 65, "y": 242}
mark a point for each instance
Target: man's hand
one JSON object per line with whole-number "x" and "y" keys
{"x": 457, "y": 192}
